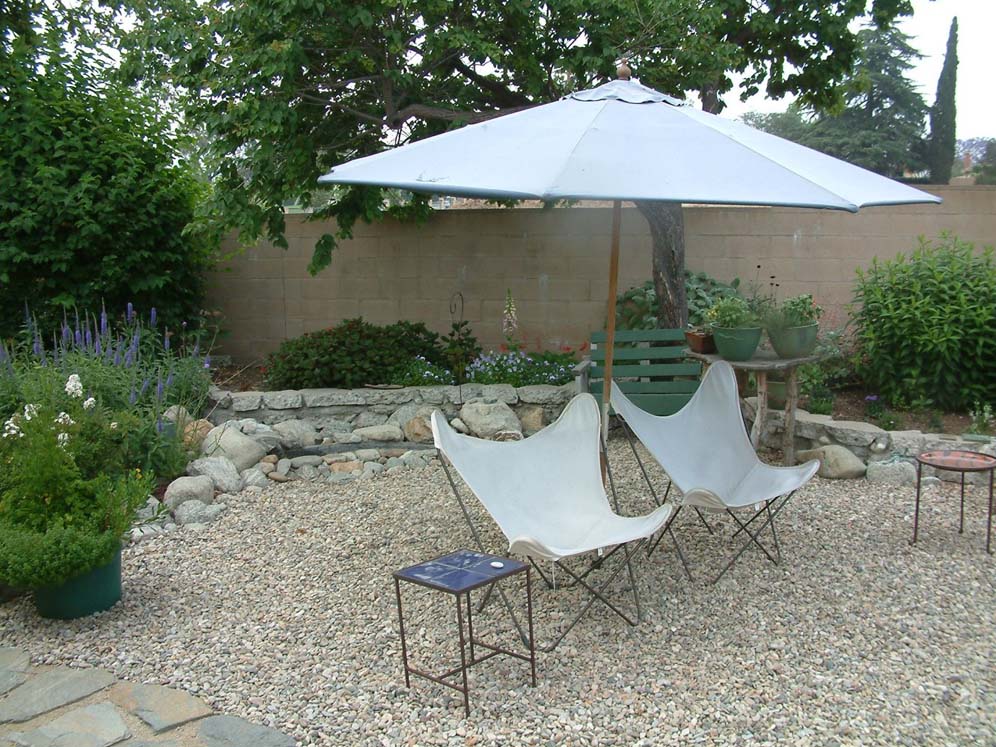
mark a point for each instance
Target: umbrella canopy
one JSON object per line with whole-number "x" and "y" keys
{"x": 624, "y": 141}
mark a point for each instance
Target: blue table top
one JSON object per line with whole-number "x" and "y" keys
{"x": 460, "y": 571}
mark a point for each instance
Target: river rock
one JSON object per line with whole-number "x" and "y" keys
{"x": 228, "y": 441}
{"x": 296, "y": 434}
{"x": 486, "y": 419}
{"x": 183, "y": 489}
{"x": 892, "y": 473}
{"x": 220, "y": 469}
{"x": 836, "y": 462}
{"x": 195, "y": 512}
{"x": 385, "y": 432}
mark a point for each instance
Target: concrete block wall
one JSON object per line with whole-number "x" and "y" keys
{"x": 555, "y": 262}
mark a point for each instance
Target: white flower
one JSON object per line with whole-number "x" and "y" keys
{"x": 114, "y": 426}
{"x": 30, "y": 411}
{"x": 74, "y": 387}
{"x": 64, "y": 419}
{"x": 11, "y": 429}
{"x": 88, "y": 404}
{"x": 63, "y": 439}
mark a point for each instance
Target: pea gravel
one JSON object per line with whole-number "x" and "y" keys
{"x": 282, "y": 612}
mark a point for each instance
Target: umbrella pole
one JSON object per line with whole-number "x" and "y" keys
{"x": 610, "y": 319}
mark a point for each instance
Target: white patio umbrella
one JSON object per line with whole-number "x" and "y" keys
{"x": 624, "y": 141}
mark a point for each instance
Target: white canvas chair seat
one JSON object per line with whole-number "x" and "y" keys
{"x": 546, "y": 493}
{"x": 705, "y": 449}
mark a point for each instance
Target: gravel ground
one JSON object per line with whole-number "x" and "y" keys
{"x": 282, "y": 612}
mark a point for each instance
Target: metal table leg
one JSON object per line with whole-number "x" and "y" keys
{"x": 961, "y": 519}
{"x": 916, "y": 511}
{"x": 989, "y": 518}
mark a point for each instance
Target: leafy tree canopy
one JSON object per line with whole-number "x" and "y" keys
{"x": 284, "y": 89}
{"x": 881, "y": 123}
{"x": 93, "y": 202}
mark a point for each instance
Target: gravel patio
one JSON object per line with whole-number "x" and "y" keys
{"x": 282, "y": 612}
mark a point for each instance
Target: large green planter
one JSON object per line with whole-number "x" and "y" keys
{"x": 794, "y": 342}
{"x": 94, "y": 591}
{"x": 737, "y": 343}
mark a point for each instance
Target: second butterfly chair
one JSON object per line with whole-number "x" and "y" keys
{"x": 706, "y": 452}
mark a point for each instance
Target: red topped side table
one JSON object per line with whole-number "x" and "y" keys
{"x": 963, "y": 462}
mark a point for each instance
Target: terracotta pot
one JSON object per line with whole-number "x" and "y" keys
{"x": 699, "y": 341}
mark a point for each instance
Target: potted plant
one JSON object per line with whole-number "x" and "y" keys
{"x": 66, "y": 498}
{"x": 793, "y": 326}
{"x": 700, "y": 339}
{"x": 735, "y": 327}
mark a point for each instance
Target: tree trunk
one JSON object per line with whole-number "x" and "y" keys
{"x": 667, "y": 231}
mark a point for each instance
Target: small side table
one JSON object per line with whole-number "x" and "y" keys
{"x": 460, "y": 573}
{"x": 963, "y": 462}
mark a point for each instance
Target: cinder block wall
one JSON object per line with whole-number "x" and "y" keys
{"x": 555, "y": 262}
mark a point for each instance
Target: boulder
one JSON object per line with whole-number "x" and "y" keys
{"x": 854, "y": 432}
{"x": 195, "y": 432}
{"x": 366, "y": 419}
{"x": 891, "y": 473}
{"x": 256, "y": 476}
{"x": 228, "y": 441}
{"x": 195, "y": 512}
{"x": 545, "y": 394}
{"x": 485, "y": 419}
{"x": 374, "y": 467}
{"x": 306, "y": 472}
{"x": 418, "y": 430}
{"x": 220, "y": 469}
{"x": 532, "y": 417}
{"x": 283, "y": 466}
{"x": 836, "y": 462}
{"x": 312, "y": 460}
{"x": 459, "y": 426}
{"x": 183, "y": 489}
{"x": 247, "y": 401}
{"x": 367, "y": 455}
{"x": 386, "y": 432}
{"x": 295, "y": 434}
{"x": 178, "y": 414}
{"x": 345, "y": 466}
{"x": 341, "y": 437}
{"x": 262, "y": 434}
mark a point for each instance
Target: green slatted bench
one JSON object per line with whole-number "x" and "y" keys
{"x": 649, "y": 365}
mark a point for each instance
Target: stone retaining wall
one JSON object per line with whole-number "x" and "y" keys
{"x": 871, "y": 444}
{"x": 353, "y": 415}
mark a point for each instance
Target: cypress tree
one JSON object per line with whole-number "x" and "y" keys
{"x": 941, "y": 149}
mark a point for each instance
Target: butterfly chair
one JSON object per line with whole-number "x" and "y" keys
{"x": 546, "y": 495}
{"x": 706, "y": 452}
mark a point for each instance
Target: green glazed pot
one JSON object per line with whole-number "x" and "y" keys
{"x": 737, "y": 343}
{"x": 794, "y": 342}
{"x": 94, "y": 591}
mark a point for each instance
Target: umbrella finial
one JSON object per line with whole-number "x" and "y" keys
{"x": 624, "y": 71}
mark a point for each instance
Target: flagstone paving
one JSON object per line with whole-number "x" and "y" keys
{"x": 63, "y": 707}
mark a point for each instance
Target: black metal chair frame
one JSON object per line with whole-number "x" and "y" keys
{"x": 596, "y": 592}
{"x": 742, "y": 526}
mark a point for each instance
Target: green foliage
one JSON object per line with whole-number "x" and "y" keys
{"x": 131, "y": 370}
{"x": 986, "y": 169}
{"x": 941, "y": 147}
{"x": 516, "y": 368}
{"x": 880, "y": 125}
{"x": 30, "y": 560}
{"x": 731, "y": 312}
{"x": 797, "y": 311}
{"x": 981, "y": 415}
{"x": 67, "y": 493}
{"x": 351, "y": 354}
{"x": 419, "y": 372}
{"x": 636, "y": 308}
{"x": 95, "y": 197}
{"x": 282, "y": 93}
{"x": 925, "y": 324}
{"x": 460, "y": 348}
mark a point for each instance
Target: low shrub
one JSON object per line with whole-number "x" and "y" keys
{"x": 731, "y": 312}
{"x": 518, "y": 368}
{"x": 351, "y": 354}
{"x": 421, "y": 372}
{"x": 925, "y": 324}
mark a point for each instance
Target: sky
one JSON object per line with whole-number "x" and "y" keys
{"x": 928, "y": 27}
